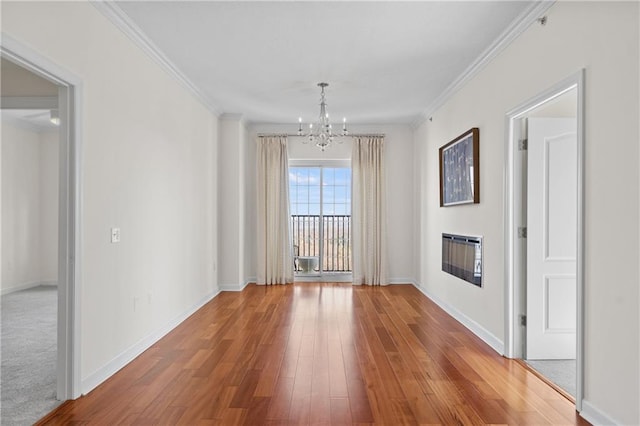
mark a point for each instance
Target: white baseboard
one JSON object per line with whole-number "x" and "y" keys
{"x": 402, "y": 281}
{"x": 595, "y": 416}
{"x": 25, "y": 286}
{"x": 332, "y": 277}
{"x": 93, "y": 380}
{"x": 235, "y": 287}
{"x": 474, "y": 327}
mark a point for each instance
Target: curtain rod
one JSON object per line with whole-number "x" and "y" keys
{"x": 295, "y": 135}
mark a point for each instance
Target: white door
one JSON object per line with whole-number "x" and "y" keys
{"x": 551, "y": 238}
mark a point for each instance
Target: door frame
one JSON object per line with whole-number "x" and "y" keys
{"x": 322, "y": 164}
{"x": 69, "y": 209}
{"x": 515, "y": 253}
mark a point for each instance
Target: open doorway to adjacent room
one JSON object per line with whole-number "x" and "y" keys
{"x": 544, "y": 236}
{"x": 39, "y": 218}
{"x": 30, "y": 154}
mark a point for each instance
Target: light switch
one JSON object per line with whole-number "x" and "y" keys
{"x": 115, "y": 235}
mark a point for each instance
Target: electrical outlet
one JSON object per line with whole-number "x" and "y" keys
{"x": 115, "y": 235}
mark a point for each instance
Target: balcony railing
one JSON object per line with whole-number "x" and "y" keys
{"x": 336, "y": 238}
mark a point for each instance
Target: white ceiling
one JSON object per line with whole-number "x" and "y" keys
{"x": 385, "y": 62}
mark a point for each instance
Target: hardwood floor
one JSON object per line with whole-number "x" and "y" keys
{"x": 320, "y": 354}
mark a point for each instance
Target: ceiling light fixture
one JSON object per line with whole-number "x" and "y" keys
{"x": 322, "y": 134}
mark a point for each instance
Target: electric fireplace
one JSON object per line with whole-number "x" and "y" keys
{"x": 462, "y": 257}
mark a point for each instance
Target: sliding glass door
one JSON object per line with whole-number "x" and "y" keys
{"x": 321, "y": 219}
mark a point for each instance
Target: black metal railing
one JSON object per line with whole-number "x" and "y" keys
{"x": 336, "y": 235}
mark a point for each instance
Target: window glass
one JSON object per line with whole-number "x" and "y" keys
{"x": 326, "y": 190}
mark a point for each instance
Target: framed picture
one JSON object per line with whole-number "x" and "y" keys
{"x": 460, "y": 170}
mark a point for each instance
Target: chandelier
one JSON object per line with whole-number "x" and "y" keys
{"x": 322, "y": 133}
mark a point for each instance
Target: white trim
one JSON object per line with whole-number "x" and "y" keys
{"x": 70, "y": 216}
{"x": 330, "y": 277}
{"x": 235, "y": 287}
{"x": 124, "y": 23}
{"x": 484, "y": 334}
{"x": 595, "y": 416}
{"x": 580, "y": 252}
{"x": 326, "y": 277}
{"x": 394, "y": 281}
{"x": 25, "y": 286}
{"x": 28, "y": 102}
{"x": 513, "y": 258}
{"x": 230, "y": 116}
{"x": 414, "y": 283}
{"x": 513, "y": 31}
{"x": 128, "y": 355}
{"x": 26, "y": 58}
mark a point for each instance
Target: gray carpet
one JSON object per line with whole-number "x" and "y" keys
{"x": 562, "y": 372}
{"x": 28, "y": 351}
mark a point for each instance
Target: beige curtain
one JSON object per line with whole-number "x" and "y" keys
{"x": 275, "y": 258}
{"x": 369, "y": 212}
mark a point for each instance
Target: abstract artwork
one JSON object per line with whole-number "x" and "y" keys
{"x": 460, "y": 170}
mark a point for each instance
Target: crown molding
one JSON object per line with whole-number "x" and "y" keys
{"x": 228, "y": 116}
{"x": 125, "y": 24}
{"x": 513, "y": 31}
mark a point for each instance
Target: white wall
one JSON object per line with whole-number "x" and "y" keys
{"x": 231, "y": 207}
{"x": 601, "y": 37}
{"x": 29, "y": 207}
{"x": 49, "y": 170}
{"x": 400, "y": 195}
{"x": 148, "y": 150}
{"x": 20, "y": 208}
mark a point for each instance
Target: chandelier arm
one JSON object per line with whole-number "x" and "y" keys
{"x": 322, "y": 134}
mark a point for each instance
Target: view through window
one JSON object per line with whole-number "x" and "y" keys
{"x": 321, "y": 219}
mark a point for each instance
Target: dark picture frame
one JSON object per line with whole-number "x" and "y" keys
{"x": 460, "y": 170}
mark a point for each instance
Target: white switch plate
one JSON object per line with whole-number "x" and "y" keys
{"x": 115, "y": 235}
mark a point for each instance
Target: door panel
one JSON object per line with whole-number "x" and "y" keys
{"x": 560, "y": 316}
{"x": 559, "y": 197}
{"x": 551, "y": 238}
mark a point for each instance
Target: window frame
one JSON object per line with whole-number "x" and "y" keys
{"x": 322, "y": 164}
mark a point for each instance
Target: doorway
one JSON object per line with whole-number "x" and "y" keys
{"x": 320, "y": 204}
{"x": 67, "y": 101}
{"x": 550, "y": 288}
{"x": 544, "y": 251}
{"x": 29, "y": 152}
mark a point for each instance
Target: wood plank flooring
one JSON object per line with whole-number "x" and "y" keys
{"x": 322, "y": 354}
